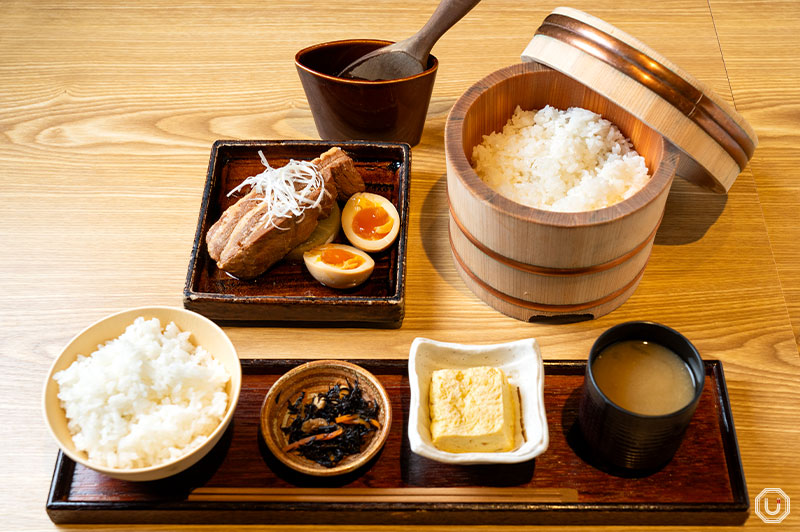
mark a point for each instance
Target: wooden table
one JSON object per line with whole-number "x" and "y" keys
{"x": 108, "y": 111}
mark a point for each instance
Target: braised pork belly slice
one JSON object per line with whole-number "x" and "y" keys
{"x": 247, "y": 240}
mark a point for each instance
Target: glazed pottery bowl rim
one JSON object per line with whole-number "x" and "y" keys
{"x": 599, "y": 345}
{"x": 347, "y": 81}
{"x": 660, "y": 178}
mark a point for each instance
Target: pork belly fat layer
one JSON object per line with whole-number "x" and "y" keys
{"x": 337, "y": 166}
{"x": 219, "y": 233}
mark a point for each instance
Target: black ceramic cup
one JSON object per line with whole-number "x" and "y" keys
{"x": 628, "y": 440}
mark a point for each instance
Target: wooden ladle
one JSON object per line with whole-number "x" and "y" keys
{"x": 410, "y": 56}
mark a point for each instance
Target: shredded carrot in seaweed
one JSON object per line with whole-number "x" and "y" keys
{"x": 315, "y": 437}
{"x": 332, "y": 425}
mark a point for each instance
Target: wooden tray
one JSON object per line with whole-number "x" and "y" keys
{"x": 240, "y": 482}
{"x": 287, "y": 294}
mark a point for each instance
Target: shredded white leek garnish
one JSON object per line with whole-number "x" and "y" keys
{"x": 288, "y": 190}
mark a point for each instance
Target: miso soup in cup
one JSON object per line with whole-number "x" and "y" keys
{"x": 643, "y": 382}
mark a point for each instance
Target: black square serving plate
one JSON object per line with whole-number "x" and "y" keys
{"x": 286, "y": 294}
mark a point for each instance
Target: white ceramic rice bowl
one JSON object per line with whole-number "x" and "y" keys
{"x": 204, "y": 332}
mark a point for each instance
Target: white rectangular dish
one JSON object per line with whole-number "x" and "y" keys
{"x": 521, "y": 361}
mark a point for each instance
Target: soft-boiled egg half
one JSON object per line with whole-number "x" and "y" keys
{"x": 338, "y": 266}
{"x": 370, "y": 221}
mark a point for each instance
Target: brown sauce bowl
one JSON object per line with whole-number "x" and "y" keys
{"x": 352, "y": 109}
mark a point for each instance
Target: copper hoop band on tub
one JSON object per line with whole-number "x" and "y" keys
{"x": 542, "y": 306}
{"x": 541, "y": 270}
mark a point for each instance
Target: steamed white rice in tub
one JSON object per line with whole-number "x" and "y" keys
{"x": 144, "y": 398}
{"x": 566, "y": 161}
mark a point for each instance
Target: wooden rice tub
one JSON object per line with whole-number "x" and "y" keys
{"x": 530, "y": 263}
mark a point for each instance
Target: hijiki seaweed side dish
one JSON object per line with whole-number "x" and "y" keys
{"x": 328, "y": 427}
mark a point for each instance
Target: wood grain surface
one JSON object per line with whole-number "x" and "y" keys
{"x": 107, "y": 115}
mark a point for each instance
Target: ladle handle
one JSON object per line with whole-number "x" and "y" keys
{"x": 447, "y": 13}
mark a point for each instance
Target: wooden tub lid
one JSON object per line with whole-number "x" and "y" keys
{"x": 717, "y": 140}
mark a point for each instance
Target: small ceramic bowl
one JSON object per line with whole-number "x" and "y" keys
{"x": 204, "y": 333}
{"x": 521, "y": 361}
{"x": 392, "y": 110}
{"x": 313, "y": 378}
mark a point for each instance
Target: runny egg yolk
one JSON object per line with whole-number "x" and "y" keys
{"x": 341, "y": 259}
{"x": 371, "y": 221}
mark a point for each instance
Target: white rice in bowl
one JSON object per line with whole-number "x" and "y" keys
{"x": 144, "y": 398}
{"x": 567, "y": 161}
